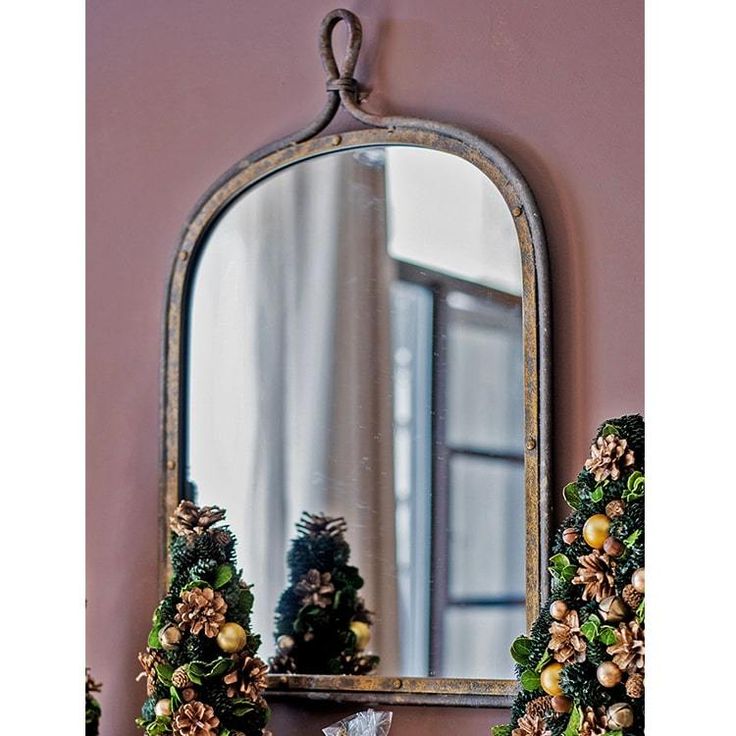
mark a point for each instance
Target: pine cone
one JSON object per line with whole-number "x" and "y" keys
{"x": 596, "y": 574}
{"x": 628, "y": 651}
{"x": 223, "y": 537}
{"x": 201, "y": 609}
{"x": 531, "y": 726}
{"x": 315, "y": 588}
{"x": 608, "y": 457}
{"x": 567, "y": 643}
{"x": 632, "y": 596}
{"x": 195, "y": 719}
{"x": 180, "y": 678}
{"x": 635, "y": 685}
{"x": 189, "y": 519}
{"x": 148, "y": 660}
{"x": 282, "y": 663}
{"x": 248, "y": 678}
{"x": 594, "y": 722}
{"x": 313, "y": 525}
{"x": 615, "y": 508}
{"x": 539, "y": 707}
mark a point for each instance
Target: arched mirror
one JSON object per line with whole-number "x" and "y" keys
{"x": 357, "y": 326}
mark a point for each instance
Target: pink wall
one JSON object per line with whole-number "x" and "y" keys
{"x": 180, "y": 89}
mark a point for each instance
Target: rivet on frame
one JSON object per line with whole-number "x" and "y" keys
{"x": 183, "y": 255}
{"x": 336, "y": 140}
{"x": 531, "y": 443}
{"x": 516, "y": 212}
{"x": 171, "y": 464}
{"x": 398, "y": 684}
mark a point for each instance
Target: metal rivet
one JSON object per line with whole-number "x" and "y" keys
{"x": 183, "y": 255}
{"x": 397, "y": 684}
{"x": 171, "y": 464}
{"x": 336, "y": 140}
{"x": 516, "y": 212}
{"x": 531, "y": 443}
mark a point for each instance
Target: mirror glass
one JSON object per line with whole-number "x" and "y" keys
{"x": 355, "y": 348}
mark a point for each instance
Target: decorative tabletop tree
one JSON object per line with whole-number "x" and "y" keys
{"x": 203, "y": 677}
{"x": 322, "y": 624}
{"x": 582, "y": 667}
{"x": 92, "y": 710}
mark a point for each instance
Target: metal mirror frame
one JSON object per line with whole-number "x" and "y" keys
{"x": 343, "y": 91}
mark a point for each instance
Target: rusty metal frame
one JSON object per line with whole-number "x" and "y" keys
{"x": 342, "y": 90}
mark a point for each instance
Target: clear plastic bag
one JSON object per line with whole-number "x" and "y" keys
{"x": 366, "y": 723}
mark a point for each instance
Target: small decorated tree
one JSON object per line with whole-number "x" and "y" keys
{"x": 322, "y": 624}
{"x": 203, "y": 676}
{"x": 92, "y": 710}
{"x": 581, "y": 669}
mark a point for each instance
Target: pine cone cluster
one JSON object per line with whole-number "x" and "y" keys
{"x": 189, "y": 519}
{"x": 567, "y": 643}
{"x": 596, "y": 574}
{"x": 595, "y": 722}
{"x": 609, "y": 456}
{"x": 530, "y": 725}
{"x": 248, "y": 679}
{"x": 201, "y": 609}
{"x": 315, "y": 588}
{"x": 315, "y": 524}
{"x": 635, "y": 685}
{"x": 628, "y": 651}
{"x": 148, "y": 660}
{"x": 195, "y": 719}
{"x": 632, "y": 597}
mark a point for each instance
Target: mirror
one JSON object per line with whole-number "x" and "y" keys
{"x": 356, "y": 346}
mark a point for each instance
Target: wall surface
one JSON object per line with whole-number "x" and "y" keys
{"x": 178, "y": 90}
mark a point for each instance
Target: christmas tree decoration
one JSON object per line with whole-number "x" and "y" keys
{"x": 322, "y": 623}
{"x": 581, "y": 668}
{"x": 595, "y": 530}
{"x": 92, "y": 710}
{"x": 203, "y": 676}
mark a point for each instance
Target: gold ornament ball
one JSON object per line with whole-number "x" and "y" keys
{"x": 162, "y": 707}
{"x": 613, "y": 609}
{"x": 170, "y": 637}
{"x": 362, "y": 634}
{"x": 608, "y": 674}
{"x": 595, "y": 530}
{"x": 561, "y": 704}
{"x": 558, "y": 610}
{"x": 637, "y": 580}
{"x": 620, "y": 716}
{"x": 550, "y": 679}
{"x": 231, "y": 637}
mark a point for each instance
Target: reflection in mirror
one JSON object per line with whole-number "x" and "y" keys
{"x": 355, "y": 348}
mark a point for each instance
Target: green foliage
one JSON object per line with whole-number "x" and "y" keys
{"x": 531, "y": 653}
{"x": 205, "y": 559}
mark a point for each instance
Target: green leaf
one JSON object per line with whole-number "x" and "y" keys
{"x": 571, "y": 495}
{"x": 241, "y": 706}
{"x": 520, "y": 650}
{"x": 224, "y": 732}
{"x": 590, "y": 628}
{"x": 530, "y": 680}
{"x": 223, "y": 575}
{"x": 630, "y": 541}
{"x": 634, "y": 486}
{"x": 617, "y": 732}
{"x": 153, "y": 640}
{"x": 560, "y": 567}
{"x": 640, "y": 612}
{"x": 246, "y": 599}
{"x": 220, "y": 667}
{"x": 568, "y": 573}
{"x": 198, "y": 583}
{"x": 607, "y": 635}
{"x": 175, "y": 699}
{"x": 546, "y": 657}
{"x": 573, "y": 725}
{"x": 501, "y": 730}
{"x": 609, "y": 429}
{"x": 596, "y": 494}
{"x": 164, "y": 672}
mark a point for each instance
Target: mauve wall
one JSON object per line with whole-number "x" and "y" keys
{"x": 180, "y": 89}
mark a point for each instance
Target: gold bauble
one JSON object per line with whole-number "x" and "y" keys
{"x": 595, "y": 530}
{"x": 170, "y": 637}
{"x": 549, "y": 679}
{"x": 231, "y": 637}
{"x": 637, "y": 580}
{"x": 608, "y": 674}
{"x": 613, "y": 609}
{"x": 561, "y": 704}
{"x": 162, "y": 707}
{"x": 620, "y": 716}
{"x": 362, "y": 634}
{"x": 558, "y": 610}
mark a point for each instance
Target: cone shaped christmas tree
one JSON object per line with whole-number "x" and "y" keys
{"x": 203, "y": 675}
{"x": 581, "y": 668}
{"x": 322, "y": 625}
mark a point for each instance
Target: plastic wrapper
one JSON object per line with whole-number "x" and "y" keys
{"x": 366, "y": 723}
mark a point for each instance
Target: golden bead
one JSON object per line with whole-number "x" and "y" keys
{"x": 595, "y": 531}
{"x": 608, "y": 674}
{"x": 362, "y": 634}
{"x": 162, "y": 707}
{"x": 231, "y": 637}
{"x": 549, "y": 679}
{"x": 558, "y": 610}
{"x": 637, "y": 580}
